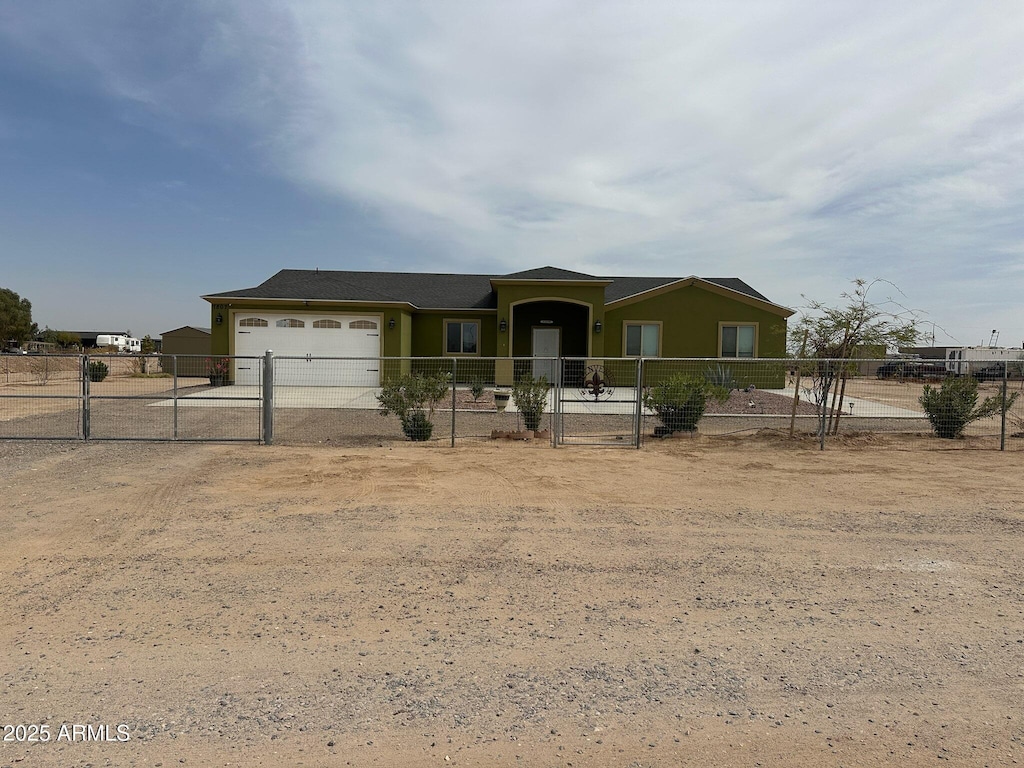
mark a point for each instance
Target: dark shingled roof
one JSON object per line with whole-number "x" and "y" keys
{"x": 184, "y": 327}
{"x": 549, "y": 273}
{"x": 438, "y": 291}
{"x": 622, "y": 287}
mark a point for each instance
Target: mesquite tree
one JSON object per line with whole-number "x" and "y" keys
{"x": 836, "y": 335}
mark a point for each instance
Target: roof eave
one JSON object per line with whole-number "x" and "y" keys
{"x": 218, "y": 298}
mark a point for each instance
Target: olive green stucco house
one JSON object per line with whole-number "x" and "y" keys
{"x": 545, "y": 312}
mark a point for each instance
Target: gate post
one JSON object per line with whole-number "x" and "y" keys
{"x": 85, "y": 397}
{"x": 174, "y": 366}
{"x": 556, "y": 403}
{"x": 638, "y": 415}
{"x": 455, "y": 370}
{"x": 268, "y": 397}
{"x": 823, "y": 405}
{"x": 1002, "y": 421}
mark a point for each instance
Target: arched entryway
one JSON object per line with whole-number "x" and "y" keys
{"x": 550, "y": 328}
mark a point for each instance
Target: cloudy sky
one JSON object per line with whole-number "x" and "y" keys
{"x": 153, "y": 152}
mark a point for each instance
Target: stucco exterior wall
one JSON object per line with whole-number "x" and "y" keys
{"x": 690, "y": 318}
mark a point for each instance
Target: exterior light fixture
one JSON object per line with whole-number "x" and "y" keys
{"x": 391, "y": 324}
{"x": 598, "y": 326}
{"x": 219, "y": 319}
{"x": 503, "y": 325}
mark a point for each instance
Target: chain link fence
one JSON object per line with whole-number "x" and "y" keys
{"x": 625, "y": 402}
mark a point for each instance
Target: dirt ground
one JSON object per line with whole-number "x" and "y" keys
{"x": 701, "y": 602}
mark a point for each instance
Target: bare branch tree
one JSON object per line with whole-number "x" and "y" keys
{"x": 836, "y": 335}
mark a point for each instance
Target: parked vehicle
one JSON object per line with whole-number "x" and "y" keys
{"x": 124, "y": 344}
{"x": 911, "y": 369}
{"x": 992, "y": 372}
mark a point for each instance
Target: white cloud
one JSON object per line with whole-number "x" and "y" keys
{"x": 795, "y": 144}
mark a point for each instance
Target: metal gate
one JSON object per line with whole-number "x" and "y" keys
{"x": 130, "y": 397}
{"x": 598, "y": 401}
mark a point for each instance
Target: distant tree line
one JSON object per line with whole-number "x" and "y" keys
{"x": 16, "y": 326}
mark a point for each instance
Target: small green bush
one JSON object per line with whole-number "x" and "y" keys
{"x": 417, "y": 426}
{"x": 476, "y": 388}
{"x": 412, "y": 398}
{"x": 954, "y": 405}
{"x": 531, "y": 396}
{"x": 679, "y": 401}
{"x": 98, "y": 370}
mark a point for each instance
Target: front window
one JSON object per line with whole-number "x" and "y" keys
{"x": 738, "y": 340}
{"x": 461, "y": 337}
{"x": 642, "y": 339}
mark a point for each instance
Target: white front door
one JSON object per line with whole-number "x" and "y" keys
{"x": 546, "y": 343}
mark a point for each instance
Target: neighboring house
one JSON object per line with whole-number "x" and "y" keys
{"x": 188, "y": 340}
{"x": 545, "y": 312}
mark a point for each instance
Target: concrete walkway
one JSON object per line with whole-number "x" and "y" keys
{"x": 857, "y": 406}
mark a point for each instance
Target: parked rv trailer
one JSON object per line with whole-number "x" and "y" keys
{"x": 965, "y": 361}
{"x": 126, "y": 344}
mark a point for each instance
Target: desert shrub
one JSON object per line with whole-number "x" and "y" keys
{"x": 476, "y": 388}
{"x": 98, "y": 370}
{"x": 417, "y": 426}
{"x": 412, "y": 398}
{"x": 39, "y": 367}
{"x": 531, "y": 396}
{"x": 679, "y": 401}
{"x": 954, "y": 405}
{"x": 140, "y": 365}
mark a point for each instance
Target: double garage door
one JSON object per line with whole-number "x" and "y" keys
{"x": 305, "y": 338}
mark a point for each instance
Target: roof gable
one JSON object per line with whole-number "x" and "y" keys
{"x": 188, "y": 328}
{"x": 548, "y": 273}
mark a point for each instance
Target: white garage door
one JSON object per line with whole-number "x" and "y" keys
{"x": 307, "y": 336}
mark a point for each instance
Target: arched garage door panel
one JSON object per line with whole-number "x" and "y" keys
{"x": 309, "y": 336}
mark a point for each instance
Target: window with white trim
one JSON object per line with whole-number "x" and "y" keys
{"x": 252, "y": 322}
{"x": 326, "y": 324}
{"x": 461, "y": 338}
{"x": 643, "y": 339}
{"x": 738, "y": 341}
{"x": 290, "y": 322}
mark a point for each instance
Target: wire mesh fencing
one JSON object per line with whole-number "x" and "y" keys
{"x": 830, "y": 399}
{"x": 132, "y": 397}
{"x": 153, "y": 401}
{"x": 626, "y": 402}
{"x": 442, "y": 399}
{"x": 599, "y": 402}
{"x": 41, "y": 396}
